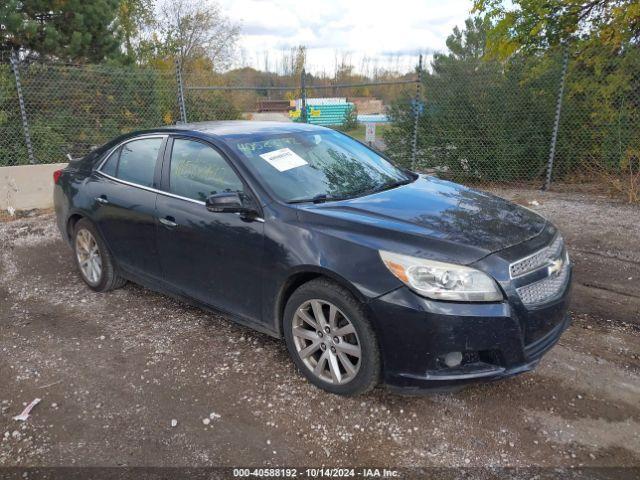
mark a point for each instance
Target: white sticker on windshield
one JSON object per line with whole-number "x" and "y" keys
{"x": 284, "y": 159}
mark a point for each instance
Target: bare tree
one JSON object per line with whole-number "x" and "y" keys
{"x": 193, "y": 29}
{"x": 292, "y": 61}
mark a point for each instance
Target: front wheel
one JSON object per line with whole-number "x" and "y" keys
{"x": 330, "y": 338}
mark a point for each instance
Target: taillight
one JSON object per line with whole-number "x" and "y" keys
{"x": 56, "y": 175}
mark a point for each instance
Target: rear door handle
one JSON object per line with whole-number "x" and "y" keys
{"x": 168, "y": 222}
{"x": 102, "y": 199}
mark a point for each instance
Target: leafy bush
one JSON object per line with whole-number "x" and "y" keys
{"x": 490, "y": 121}
{"x": 205, "y": 106}
{"x": 71, "y": 109}
{"x": 351, "y": 120}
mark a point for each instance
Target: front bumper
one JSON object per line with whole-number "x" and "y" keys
{"x": 497, "y": 340}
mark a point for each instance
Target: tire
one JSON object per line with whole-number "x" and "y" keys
{"x": 351, "y": 329}
{"x": 107, "y": 278}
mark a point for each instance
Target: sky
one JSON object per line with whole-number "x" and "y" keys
{"x": 390, "y": 33}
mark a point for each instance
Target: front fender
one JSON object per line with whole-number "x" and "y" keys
{"x": 294, "y": 252}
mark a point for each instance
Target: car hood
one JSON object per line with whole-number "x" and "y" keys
{"x": 433, "y": 218}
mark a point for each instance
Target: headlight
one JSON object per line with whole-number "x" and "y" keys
{"x": 442, "y": 281}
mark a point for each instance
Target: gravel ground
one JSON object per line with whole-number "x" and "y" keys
{"x": 135, "y": 378}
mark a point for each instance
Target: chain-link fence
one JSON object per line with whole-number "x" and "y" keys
{"x": 561, "y": 118}
{"x": 71, "y": 109}
{"x": 557, "y": 117}
{"x": 359, "y": 109}
{"x": 13, "y": 149}
{"x": 599, "y": 129}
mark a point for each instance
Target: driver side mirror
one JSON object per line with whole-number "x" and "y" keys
{"x": 233, "y": 202}
{"x": 225, "y": 202}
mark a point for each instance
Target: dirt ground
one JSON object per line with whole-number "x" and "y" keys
{"x": 114, "y": 370}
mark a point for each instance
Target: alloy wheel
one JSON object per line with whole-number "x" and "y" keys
{"x": 326, "y": 341}
{"x": 89, "y": 258}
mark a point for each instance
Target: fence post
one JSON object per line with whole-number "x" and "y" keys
{"x": 303, "y": 96}
{"x": 13, "y": 58}
{"x": 181, "y": 106}
{"x": 416, "y": 115}
{"x": 556, "y": 122}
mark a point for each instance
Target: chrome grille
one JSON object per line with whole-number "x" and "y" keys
{"x": 546, "y": 289}
{"x": 539, "y": 259}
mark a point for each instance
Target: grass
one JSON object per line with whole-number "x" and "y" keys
{"x": 359, "y": 132}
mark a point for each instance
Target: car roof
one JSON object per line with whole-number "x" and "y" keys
{"x": 230, "y": 128}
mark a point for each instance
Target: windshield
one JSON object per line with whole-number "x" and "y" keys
{"x": 318, "y": 166}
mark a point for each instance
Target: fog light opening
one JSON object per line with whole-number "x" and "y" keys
{"x": 453, "y": 359}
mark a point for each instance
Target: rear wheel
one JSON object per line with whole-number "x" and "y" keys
{"x": 330, "y": 338}
{"x": 93, "y": 259}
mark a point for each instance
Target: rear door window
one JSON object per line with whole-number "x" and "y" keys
{"x": 198, "y": 171}
{"x": 138, "y": 161}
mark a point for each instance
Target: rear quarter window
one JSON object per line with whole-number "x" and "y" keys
{"x": 111, "y": 165}
{"x": 138, "y": 161}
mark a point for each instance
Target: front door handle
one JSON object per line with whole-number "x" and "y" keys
{"x": 102, "y": 199}
{"x": 168, "y": 222}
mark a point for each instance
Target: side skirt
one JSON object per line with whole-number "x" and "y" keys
{"x": 165, "y": 289}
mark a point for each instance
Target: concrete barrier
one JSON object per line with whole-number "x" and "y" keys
{"x": 27, "y": 186}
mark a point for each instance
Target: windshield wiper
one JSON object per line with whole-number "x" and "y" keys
{"x": 320, "y": 198}
{"x": 394, "y": 184}
{"x": 327, "y": 197}
{"x": 383, "y": 187}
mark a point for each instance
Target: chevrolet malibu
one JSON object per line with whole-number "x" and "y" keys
{"x": 371, "y": 273}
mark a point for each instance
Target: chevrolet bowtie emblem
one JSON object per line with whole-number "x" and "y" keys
{"x": 555, "y": 266}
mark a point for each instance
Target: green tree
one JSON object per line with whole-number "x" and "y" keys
{"x": 600, "y": 117}
{"x": 531, "y": 25}
{"x": 192, "y": 31}
{"x": 134, "y": 18}
{"x": 71, "y": 30}
{"x": 482, "y": 119}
